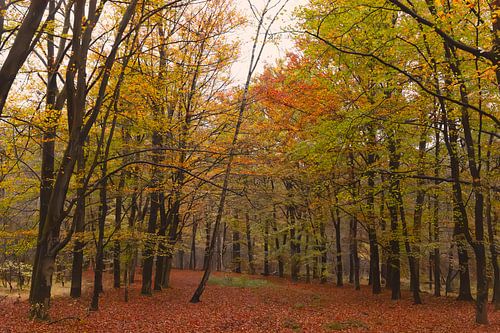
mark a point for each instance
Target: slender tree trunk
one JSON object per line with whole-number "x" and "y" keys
{"x": 392, "y": 205}
{"x": 99, "y": 262}
{"x": 353, "y": 231}
{"x": 77, "y": 266}
{"x": 338, "y": 239}
{"x": 371, "y": 226}
{"x": 459, "y": 213}
{"x": 242, "y": 107}
{"x": 249, "y": 244}
{"x": 492, "y": 227}
{"x": 149, "y": 247}
{"x": 208, "y": 226}
{"x": 165, "y": 220}
{"x": 192, "y": 256}
{"x": 103, "y": 212}
{"x": 354, "y": 252}
{"x": 473, "y": 159}
{"x": 294, "y": 244}
{"x": 281, "y": 264}
{"x": 323, "y": 255}
{"x": 118, "y": 224}
{"x": 142, "y": 211}
{"x": 236, "y": 254}
{"x": 219, "y": 242}
{"x": 435, "y": 221}
{"x": 306, "y": 255}
{"x": 414, "y": 278}
{"x": 266, "y": 248}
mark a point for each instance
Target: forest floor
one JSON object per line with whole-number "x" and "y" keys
{"x": 240, "y": 303}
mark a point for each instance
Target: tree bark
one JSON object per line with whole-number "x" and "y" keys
{"x": 249, "y": 244}
{"x": 192, "y": 256}
{"x": 392, "y": 205}
{"x": 79, "y": 217}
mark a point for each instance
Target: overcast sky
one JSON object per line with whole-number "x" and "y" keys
{"x": 271, "y": 50}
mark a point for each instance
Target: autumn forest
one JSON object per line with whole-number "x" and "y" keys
{"x": 164, "y": 169}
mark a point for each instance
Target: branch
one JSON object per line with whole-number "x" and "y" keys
{"x": 489, "y": 55}
{"x": 405, "y": 73}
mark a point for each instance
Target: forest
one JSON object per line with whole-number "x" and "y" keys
{"x": 158, "y": 173}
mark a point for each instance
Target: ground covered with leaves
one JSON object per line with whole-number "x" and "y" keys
{"x": 239, "y": 303}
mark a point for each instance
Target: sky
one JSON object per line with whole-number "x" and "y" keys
{"x": 272, "y": 51}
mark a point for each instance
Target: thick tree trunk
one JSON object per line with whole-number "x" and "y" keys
{"x": 48, "y": 145}
{"x": 48, "y": 244}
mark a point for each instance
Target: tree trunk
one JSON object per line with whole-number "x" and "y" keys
{"x": 354, "y": 252}
{"x": 338, "y": 244}
{"x": 99, "y": 261}
{"x": 149, "y": 247}
{"x": 249, "y": 244}
{"x": 281, "y": 265}
{"x": 236, "y": 252}
{"x": 493, "y": 251}
{"x": 118, "y": 223}
{"x": 323, "y": 255}
{"x": 435, "y": 222}
{"x": 266, "y": 248}
{"x": 371, "y": 226}
{"x": 48, "y": 244}
{"x": 77, "y": 267}
{"x": 192, "y": 255}
{"x": 208, "y": 226}
{"x": 165, "y": 220}
{"x": 392, "y": 204}
{"x": 294, "y": 244}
